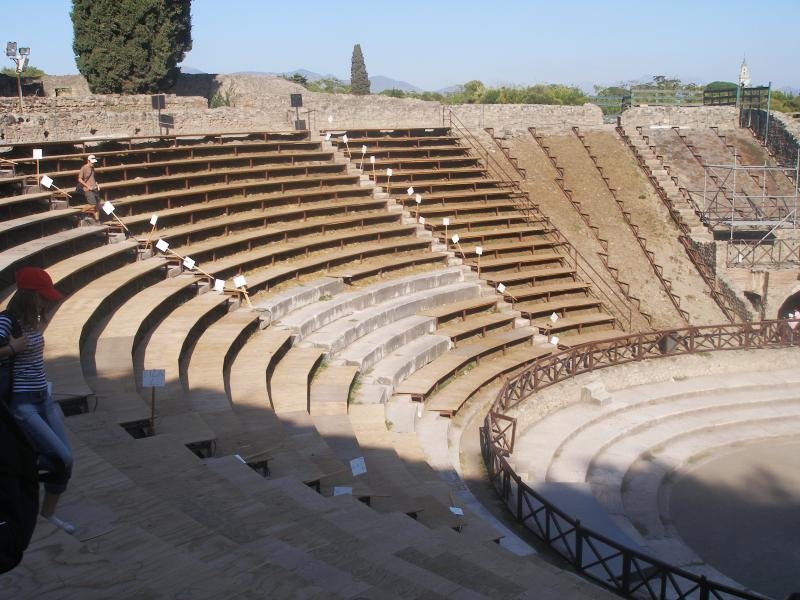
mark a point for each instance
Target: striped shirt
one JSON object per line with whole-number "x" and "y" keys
{"x": 28, "y": 374}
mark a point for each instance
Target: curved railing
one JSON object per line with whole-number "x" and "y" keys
{"x": 605, "y": 561}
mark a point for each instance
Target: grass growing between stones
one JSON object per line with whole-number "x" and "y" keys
{"x": 352, "y": 395}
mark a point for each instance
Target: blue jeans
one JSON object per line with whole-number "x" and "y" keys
{"x": 40, "y": 418}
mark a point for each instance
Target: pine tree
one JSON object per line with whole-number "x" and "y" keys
{"x": 130, "y": 46}
{"x": 359, "y": 80}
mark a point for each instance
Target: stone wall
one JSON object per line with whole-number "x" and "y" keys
{"x": 72, "y": 117}
{"x": 258, "y": 103}
{"x": 681, "y": 116}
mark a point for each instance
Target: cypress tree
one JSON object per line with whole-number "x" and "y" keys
{"x": 130, "y": 46}
{"x": 359, "y": 80}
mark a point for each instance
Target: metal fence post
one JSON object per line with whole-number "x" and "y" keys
{"x": 626, "y": 573}
{"x": 578, "y": 546}
{"x": 704, "y": 590}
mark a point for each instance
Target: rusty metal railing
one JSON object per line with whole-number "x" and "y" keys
{"x": 706, "y": 273}
{"x": 612, "y": 565}
{"x": 623, "y": 286}
{"x": 617, "y": 303}
{"x": 506, "y": 152}
{"x": 751, "y": 253}
{"x": 666, "y": 284}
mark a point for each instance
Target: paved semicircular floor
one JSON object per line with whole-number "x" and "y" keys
{"x": 740, "y": 511}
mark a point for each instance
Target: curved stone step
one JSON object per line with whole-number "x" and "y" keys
{"x": 597, "y": 447}
{"x": 339, "y": 334}
{"x": 374, "y": 347}
{"x": 311, "y": 318}
{"x": 398, "y": 365}
{"x": 543, "y": 438}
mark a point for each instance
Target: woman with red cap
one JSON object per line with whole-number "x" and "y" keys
{"x": 31, "y": 403}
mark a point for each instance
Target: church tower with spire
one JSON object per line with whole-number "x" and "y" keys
{"x": 744, "y": 74}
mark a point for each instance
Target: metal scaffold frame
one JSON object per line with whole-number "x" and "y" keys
{"x": 722, "y": 204}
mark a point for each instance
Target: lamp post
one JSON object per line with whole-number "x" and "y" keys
{"x": 20, "y": 61}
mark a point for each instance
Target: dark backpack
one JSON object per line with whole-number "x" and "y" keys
{"x": 19, "y": 481}
{"x": 7, "y": 364}
{"x": 19, "y": 491}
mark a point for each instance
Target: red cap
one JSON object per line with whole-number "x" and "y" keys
{"x": 37, "y": 280}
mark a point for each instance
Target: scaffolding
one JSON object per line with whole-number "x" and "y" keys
{"x": 760, "y": 230}
{"x": 725, "y": 205}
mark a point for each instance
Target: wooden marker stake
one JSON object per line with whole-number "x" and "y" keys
{"x": 153, "y": 378}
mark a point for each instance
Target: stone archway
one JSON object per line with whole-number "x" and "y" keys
{"x": 791, "y": 304}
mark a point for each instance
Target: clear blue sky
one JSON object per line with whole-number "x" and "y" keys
{"x": 436, "y": 43}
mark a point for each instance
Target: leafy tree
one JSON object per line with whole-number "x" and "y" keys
{"x": 473, "y": 91}
{"x": 329, "y": 85}
{"x": 359, "y": 80}
{"x": 297, "y": 78}
{"x": 130, "y": 46}
{"x": 393, "y": 93}
{"x": 784, "y": 102}
{"x": 720, "y": 86}
{"x": 30, "y": 71}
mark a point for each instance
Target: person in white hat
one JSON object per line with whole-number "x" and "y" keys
{"x": 88, "y": 184}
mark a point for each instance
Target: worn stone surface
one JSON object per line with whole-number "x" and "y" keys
{"x": 680, "y": 116}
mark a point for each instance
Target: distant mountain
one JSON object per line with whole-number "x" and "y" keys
{"x": 191, "y": 70}
{"x": 378, "y": 83}
{"x": 450, "y": 89}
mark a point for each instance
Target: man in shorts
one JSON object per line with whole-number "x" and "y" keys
{"x": 88, "y": 183}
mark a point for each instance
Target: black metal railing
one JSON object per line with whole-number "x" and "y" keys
{"x": 609, "y": 563}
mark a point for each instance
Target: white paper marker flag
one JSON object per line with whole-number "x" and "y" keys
{"x": 418, "y": 198}
{"x": 457, "y": 511}
{"x": 153, "y": 220}
{"x": 358, "y": 466}
{"x": 108, "y": 208}
{"x": 446, "y": 221}
{"x": 363, "y": 150}
{"x": 342, "y": 490}
{"x": 554, "y": 340}
{"x": 46, "y": 181}
{"x": 389, "y": 172}
{"x": 478, "y": 250}
{"x": 219, "y": 285}
{"x": 328, "y": 137}
{"x": 345, "y": 139}
{"x": 239, "y": 281}
{"x": 455, "y": 238}
{"x": 422, "y": 220}
{"x": 554, "y": 317}
{"x": 162, "y": 245}
{"x": 501, "y": 288}
{"x": 410, "y": 191}
{"x": 372, "y": 160}
{"x": 189, "y": 263}
{"x": 330, "y": 118}
{"x": 37, "y": 154}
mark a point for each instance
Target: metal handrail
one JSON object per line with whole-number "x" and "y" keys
{"x": 607, "y": 562}
{"x": 745, "y": 253}
{"x": 506, "y": 152}
{"x": 705, "y": 272}
{"x": 626, "y": 216}
{"x": 620, "y": 305}
{"x": 624, "y": 287}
